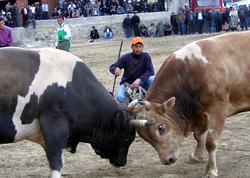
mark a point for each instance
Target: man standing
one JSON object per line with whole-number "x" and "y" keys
{"x": 126, "y": 24}
{"x": 45, "y": 10}
{"x": 173, "y": 20}
{"x": 138, "y": 68}
{"x": 6, "y": 36}
{"x": 63, "y": 34}
{"x": 135, "y": 21}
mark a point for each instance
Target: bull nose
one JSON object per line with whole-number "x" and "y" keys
{"x": 172, "y": 160}
{"x": 169, "y": 160}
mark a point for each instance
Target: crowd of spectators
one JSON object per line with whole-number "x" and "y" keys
{"x": 209, "y": 21}
{"x": 73, "y": 9}
{"x": 77, "y": 8}
{"x": 134, "y": 27}
{"x": 185, "y": 21}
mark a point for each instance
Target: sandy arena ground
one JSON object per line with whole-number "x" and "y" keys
{"x": 27, "y": 159}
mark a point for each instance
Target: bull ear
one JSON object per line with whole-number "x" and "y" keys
{"x": 169, "y": 104}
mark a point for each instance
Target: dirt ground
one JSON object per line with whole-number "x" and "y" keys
{"x": 27, "y": 159}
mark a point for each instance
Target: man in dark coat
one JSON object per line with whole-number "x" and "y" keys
{"x": 126, "y": 24}
{"x": 173, "y": 20}
{"x": 135, "y": 20}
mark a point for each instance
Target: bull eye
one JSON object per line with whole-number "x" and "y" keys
{"x": 161, "y": 129}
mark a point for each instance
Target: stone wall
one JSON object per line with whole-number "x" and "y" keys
{"x": 45, "y": 32}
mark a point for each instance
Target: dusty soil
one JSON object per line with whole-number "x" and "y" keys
{"x": 27, "y": 159}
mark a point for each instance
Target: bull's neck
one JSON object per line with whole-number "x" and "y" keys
{"x": 180, "y": 121}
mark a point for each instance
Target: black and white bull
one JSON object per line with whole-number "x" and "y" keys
{"x": 51, "y": 97}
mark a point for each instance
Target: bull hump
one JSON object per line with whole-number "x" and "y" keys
{"x": 191, "y": 51}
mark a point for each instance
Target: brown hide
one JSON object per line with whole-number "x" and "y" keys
{"x": 209, "y": 80}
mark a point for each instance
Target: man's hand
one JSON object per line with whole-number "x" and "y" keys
{"x": 117, "y": 71}
{"x": 136, "y": 83}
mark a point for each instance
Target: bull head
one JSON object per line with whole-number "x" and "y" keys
{"x": 164, "y": 133}
{"x": 136, "y": 106}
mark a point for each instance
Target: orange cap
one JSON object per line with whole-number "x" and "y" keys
{"x": 136, "y": 40}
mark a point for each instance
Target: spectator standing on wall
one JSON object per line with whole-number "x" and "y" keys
{"x": 6, "y": 35}
{"x": 14, "y": 13}
{"x": 233, "y": 15}
{"x": 180, "y": 21}
{"x": 200, "y": 21}
{"x": 126, "y": 24}
{"x": 135, "y": 21}
{"x": 10, "y": 22}
{"x": 173, "y": 21}
{"x": 38, "y": 11}
{"x": 63, "y": 34}
{"x": 191, "y": 22}
{"x": 45, "y": 10}
{"x": 32, "y": 16}
{"x": 25, "y": 15}
{"x": 55, "y": 14}
{"x": 242, "y": 14}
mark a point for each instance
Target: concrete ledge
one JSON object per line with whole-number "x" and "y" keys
{"x": 45, "y": 32}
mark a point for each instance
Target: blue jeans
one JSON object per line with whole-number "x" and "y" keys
{"x": 108, "y": 35}
{"x": 120, "y": 95}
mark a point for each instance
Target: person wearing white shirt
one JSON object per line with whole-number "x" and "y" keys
{"x": 45, "y": 10}
{"x": 63, "y": 34}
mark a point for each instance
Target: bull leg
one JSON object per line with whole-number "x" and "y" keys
{"x": 215, "y": 126}
{"x": 54, "y": 127}
{"x": 199, "y": 154}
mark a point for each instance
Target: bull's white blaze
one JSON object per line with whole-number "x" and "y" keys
{"x": 56, "y": 66}
{"x": 190, "y": 51}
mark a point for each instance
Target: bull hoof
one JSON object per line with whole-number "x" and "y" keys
{"x": 196, "y": 159}
{"x": 212, "y": 174}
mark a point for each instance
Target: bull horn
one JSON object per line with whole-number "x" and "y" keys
{"x": 141, "y": 123}
{"x": 133, "y": 103}
{"x": 146, "y": 104}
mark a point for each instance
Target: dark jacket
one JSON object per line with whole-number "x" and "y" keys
{"x": 134, "y": 67}
{"x": 94, "y": 34}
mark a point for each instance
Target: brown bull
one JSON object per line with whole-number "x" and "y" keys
{"x": 196, "y": 88}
